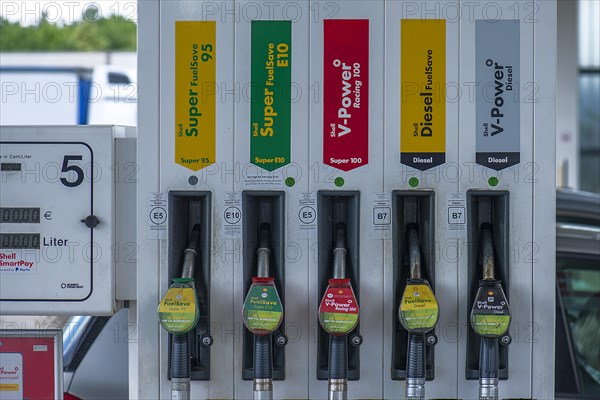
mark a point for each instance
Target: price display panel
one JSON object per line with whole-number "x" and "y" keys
{"x": 55, "y": 218}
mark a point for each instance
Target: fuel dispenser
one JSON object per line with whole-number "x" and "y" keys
{"x": 270, "y": 158}
{"x": 421, "y": 176}
{"x": 339, "y": 159}
{"x": 346, "y": 147}
{"x": 509, "y": 204}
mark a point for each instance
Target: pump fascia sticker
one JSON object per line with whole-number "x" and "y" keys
{"x": 262, "y": 308}
{"x": 418, "y": 308}
{"x": 195, "y": 94}
{"x": 423, "y": 83}
{"x": 490, "y": 315}
{"x": 338, "y": 312}
{"x": 346, "y": 93}
{"x": 31, "y": 364}
{"x": 11, "y": 376}
{"x": 270, "y": 103}
{"x": 177, "y": 310}
{"x": 497, "y": 57}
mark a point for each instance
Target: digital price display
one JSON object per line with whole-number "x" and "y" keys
{"x": 19, "y": 215}
{"x": 18, "y": 241}
{"x": 10, "y": 167}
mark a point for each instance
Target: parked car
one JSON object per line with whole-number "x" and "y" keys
{"x": 577, "y": 365}
{"x": 96, "y": 354}
{"x": 95, "y": 357}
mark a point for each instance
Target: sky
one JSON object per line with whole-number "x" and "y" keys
{"x": 29, "y": 12}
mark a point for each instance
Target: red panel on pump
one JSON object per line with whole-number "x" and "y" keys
{"x": 346, "y": 93}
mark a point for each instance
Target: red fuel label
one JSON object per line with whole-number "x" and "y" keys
{"x": 338, "y": 312}
{"x": 346, "y": 93}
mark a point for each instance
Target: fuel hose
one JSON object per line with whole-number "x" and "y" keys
{"x": 180, "y": 368}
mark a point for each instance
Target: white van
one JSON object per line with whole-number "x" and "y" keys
{"x": 104, "y": 95}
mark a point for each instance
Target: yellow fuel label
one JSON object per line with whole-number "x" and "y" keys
{"x": 423, "y": 84}
{"x": 195, "y": 93}
{"x": 418, "y": 308}
{"x": 178, "y": 311}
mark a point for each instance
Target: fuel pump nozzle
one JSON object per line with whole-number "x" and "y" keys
{"x": 338, "y": 345}
{"x": 418, "y": 314}
{"x": 178, "y": 314}
{"x": 490, "y": 318}
{"x": 263, "y": 361}
{"x": 262, "y": 315}
{"x": 338, "y": 311}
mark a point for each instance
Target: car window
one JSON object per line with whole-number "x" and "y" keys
{"x": 579, "y": 290}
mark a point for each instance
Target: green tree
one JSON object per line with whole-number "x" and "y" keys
{"x": 89, "y": 34}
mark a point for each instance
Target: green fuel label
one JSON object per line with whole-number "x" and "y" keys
{"x": 262, "y": 309}
{"x": 270, "y": 108}
{"x": 490, "y": 315}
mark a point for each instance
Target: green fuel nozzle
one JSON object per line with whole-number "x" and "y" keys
{"x": 262, "y": 315}
{"x": 178, "y": 314}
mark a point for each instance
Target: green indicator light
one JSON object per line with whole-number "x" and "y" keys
{"x": 289, "y": 182}
{"x": 339, "y": 181}
{"x": 413, "y": 182}
{"x": 493, "y": 181}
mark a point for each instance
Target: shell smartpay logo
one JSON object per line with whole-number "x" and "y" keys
{"x": 71, "y": 286}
